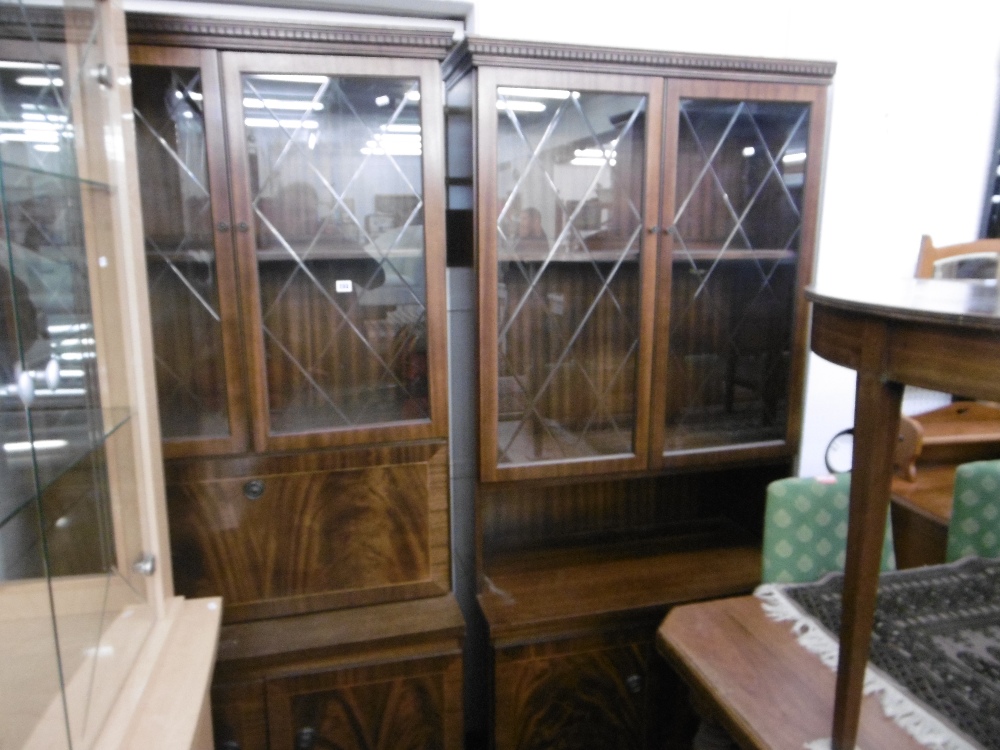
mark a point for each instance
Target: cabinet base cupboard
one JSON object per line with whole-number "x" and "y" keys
{"x": 293, "y": 206}
{"x": 644, "y": 227}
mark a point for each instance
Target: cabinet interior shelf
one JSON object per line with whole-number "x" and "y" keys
{"x": 698, "y": 255}
{"x": 73, "y": 181}
{"x": 281, "y": 254}
{"x": 529, "y": 589}
{"x": 58, "y": 440}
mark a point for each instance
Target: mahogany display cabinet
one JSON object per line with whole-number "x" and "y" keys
{"x": 292, "y": 183}
{"x": 644, "y": 224}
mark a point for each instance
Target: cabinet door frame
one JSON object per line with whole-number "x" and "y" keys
{"x": 816, "y": 97}
{"x": 218, "y": 173}
{"x": 486, "y": 201}
{"x": 234, "y": 64}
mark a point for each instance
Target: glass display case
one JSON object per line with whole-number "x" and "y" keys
{"x": 330, "y": 336}
{"x": 73, "y": 611}
{"x": 642, "y": 243}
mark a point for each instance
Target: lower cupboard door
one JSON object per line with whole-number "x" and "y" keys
{"x": 589, "y": 700}
{"x": 391, "y": 707}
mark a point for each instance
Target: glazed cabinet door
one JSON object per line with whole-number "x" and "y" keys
{"x": 189, "y": 250}
{"x": 337, "y": 177}
{"x": 567, "y": 186}
{"x": 740, "y": 201}
{"x": 405, "y": 705}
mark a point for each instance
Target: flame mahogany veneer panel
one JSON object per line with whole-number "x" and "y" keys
{"x": 335, "y": 529}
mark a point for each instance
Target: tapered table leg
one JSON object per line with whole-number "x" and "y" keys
{"x": 876, "y": 425}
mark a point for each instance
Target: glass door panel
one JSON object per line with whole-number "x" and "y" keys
{"x": 569, "y": 232}
{"x": 334, "y": 180}
{"x": 738, "y": 228}
{"x": 337, "y": 198}
{"x": 189, "y": 253}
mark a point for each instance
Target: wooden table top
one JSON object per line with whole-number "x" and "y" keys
{"x": 963, "y": 302}
{"x": 767, "y": 691}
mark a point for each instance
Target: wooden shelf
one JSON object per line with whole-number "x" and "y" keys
{"x": 552, "y": 587}
{"x": 264, "y": 641}
{"x": 716, "y": 253}
{"x": 698, "y": 255}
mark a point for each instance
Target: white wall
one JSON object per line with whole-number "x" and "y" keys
{"x": 914, "y": 107}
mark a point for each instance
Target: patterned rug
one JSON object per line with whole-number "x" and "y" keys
{"x": 936, "y": 638}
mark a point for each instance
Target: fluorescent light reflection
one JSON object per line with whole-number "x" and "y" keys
{"x": 264, "y": 122}
{"x": 394, "y": 144}
{"x": 520, "y": 106}
{"x": 38, "y": 445}
{"x": 749, "y": 151}
{"x": 69, "y": 327}
{"x": 399, "y": 128}
{"x": 286, "y": 104}
{"x": 30, "y": 136}
{"x": 524, "y": 93}
{"x": 294, "y": 78}
{"x": 19, "y": 65}
{"x": 34, "y": 117}
{"x": 40, "y": 81}
{"x": 195, "y": 96}
{"x": 794, "y": 158}
{"x": 594, "y": 157}
{"x": 30, "y": 124}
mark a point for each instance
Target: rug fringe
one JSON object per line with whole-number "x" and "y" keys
{"x": 920, "y": 724}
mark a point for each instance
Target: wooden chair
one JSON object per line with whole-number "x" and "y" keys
{"x": 974, "y": 528}
{"x": 974, "y": 260}
{"x": 805, "y": 529}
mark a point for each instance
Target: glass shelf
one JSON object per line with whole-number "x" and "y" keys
{"x": 58, "y": 174}
{"x": 62, "y": 440}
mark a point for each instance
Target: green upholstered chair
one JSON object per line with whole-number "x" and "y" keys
{"x": 805, "y": 529}
{"x": 974, "y": 528}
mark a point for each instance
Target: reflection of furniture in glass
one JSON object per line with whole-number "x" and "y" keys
{"x": 88, "y": 622}
{"x": 300, "y": 345}
{"x": 934, "y": 334}
{"x": 967, "y": 260}
{"x": 639, "y": 387}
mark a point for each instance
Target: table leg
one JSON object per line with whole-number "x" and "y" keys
{"x": 876, "y": 424}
